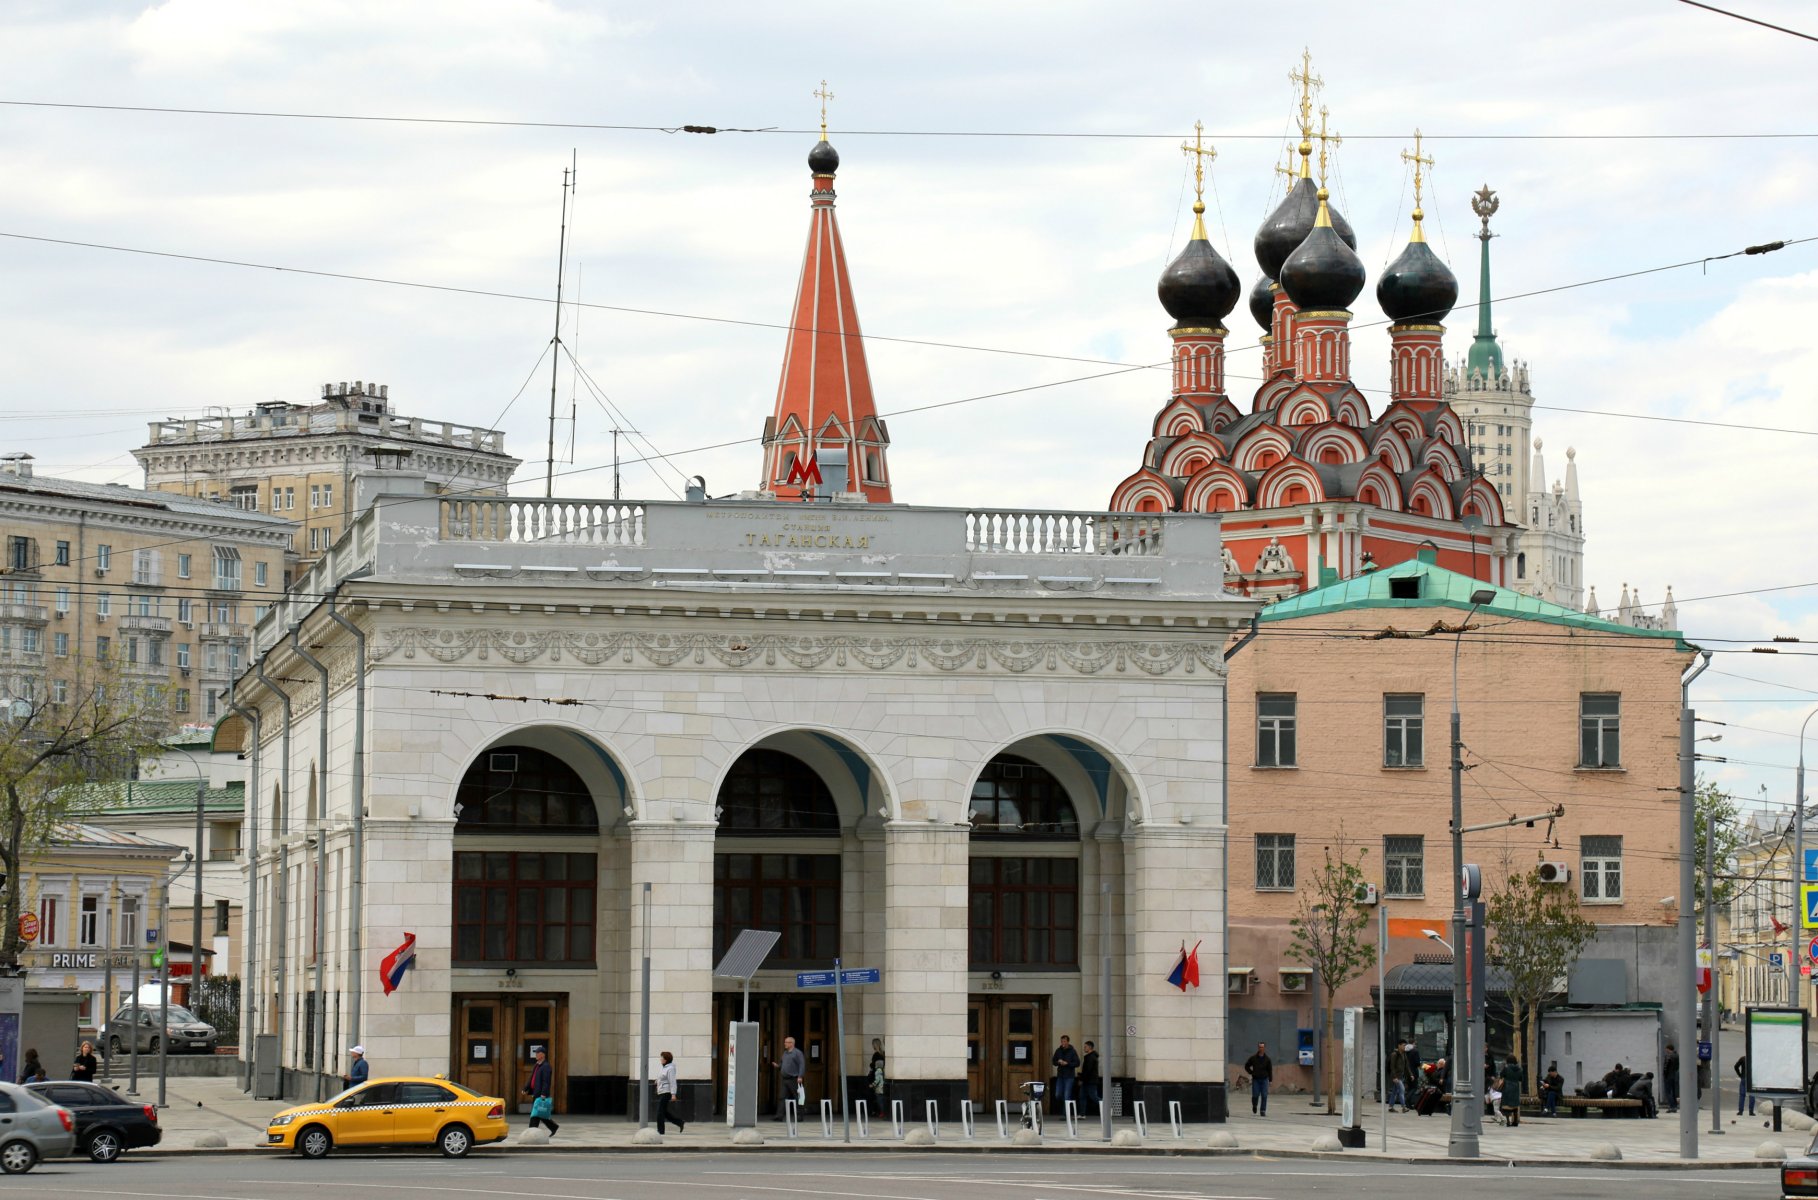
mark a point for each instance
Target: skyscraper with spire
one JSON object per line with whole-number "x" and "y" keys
{"x": 824, "y": 438}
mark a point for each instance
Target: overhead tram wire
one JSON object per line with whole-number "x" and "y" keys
{"x": 1724, "y": 12}
{"x": 1034, "y": 134}
{"x": 1762, "y": 248}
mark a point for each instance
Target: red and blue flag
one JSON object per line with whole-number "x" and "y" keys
{"x": 1186, "y": 971}
{"x": 391, "y": 970}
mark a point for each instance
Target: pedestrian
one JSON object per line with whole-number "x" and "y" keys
{"x": 1412, "y": 1087}
{"x": 83, "y": 1070}
{"x": 1513, "y": 1080}
{"x": 34, "y": 1070}
{"x": 1261, "y": 1071}
{"x": 358, "y": 1071}
{"x": 666, "y": 1095}
{"x": 1552, "y": 1087}
{"x": 1089, "y": 1084}
{"x": 1742, "y": 1084}
{"x": 1671, "y": 1068}
{"x": 1395, "y": 1079}
{"x": 540, "y": 1087}
{"x": 878, "y": 1081}
{"x": 1643, "y": 1090}
{"x": 1066, "y": 1066}
{"x": 794, "y": 1070}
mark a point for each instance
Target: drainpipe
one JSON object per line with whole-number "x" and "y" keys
{"x": 249, "y": 923}
{"x": 321, "y": 1023}
{"x": 357, "y": 897}
{"x": 282, "y": 829}
{"x": 1224, "y": 853}
{"x": 1688, "y": 916}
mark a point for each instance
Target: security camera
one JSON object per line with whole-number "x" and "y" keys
{"x": 630, "y": 812}
{"x": 1668, "y": 899}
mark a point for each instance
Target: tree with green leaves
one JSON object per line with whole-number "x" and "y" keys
{"x": 1536, "y": 932}
{"x": 1328, "y": 933}
{"x": 1718, "y": 811}
{"x": 92, "y": 727}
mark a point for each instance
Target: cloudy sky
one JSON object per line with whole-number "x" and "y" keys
{"x": 1047, "y": 246}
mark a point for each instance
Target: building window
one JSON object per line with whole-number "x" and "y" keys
{"x": 182, "y": 566}
{"x": 21, "y": 554}
{"x": 63, "y": 554}
{"x": 1600, "y": 868}
{"x": 523, "y": 906}
{"x": 60, "y": 644}
{"x": 211, "y": 657}
{"x": 102, "y": 647}
{"x": 515, "y": 789}
{"x": 797, "y": 895}
{"x": 1521, "y": 565}
{"x": 88, "y": 926}
{"x": 314, "y": 539}
{"x": 290, "y": 498}
{"x": 59, "y": 691}
{"x": 1274, "y": 731}
{"x": 259, "y": 573}
{"x": 1600, "y": 730}
{"x": 1017, "y": 798}
{"x": 226, "y": 613}
{"x": 183, "y": 655}
{"x": 221, "y": 918}
{"x": 227, "y": 568}
{"x": 62, "y": 599}
{"x": 142, "y": 604}
{"x": 772, "y": 794}
{"x": 31, "y": 640}
{"x": 214, "y": 704}
{"x": 181, "y": 703}
{"x": 145, "y": 567}
{"x": 1404, "y": 865}
{"x": 104, "y": 557}
{"x": 1025, "y": 912}
{"x": 104, "y": 604}
{"x": 154, "y": 652}
{"x": 1274, "y": 862}
{"x": 1403, "y": 738}
{"x": 129, "y": 921}
{"x": 47, "y": 920}
{"x": 132, "y": 650}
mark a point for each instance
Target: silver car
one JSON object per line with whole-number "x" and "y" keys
{"x": 182, "y": 1031}
{"x": 31, "y": 1129}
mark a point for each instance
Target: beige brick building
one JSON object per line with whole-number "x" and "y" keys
{"x": 1339, "y": 727}
{"x": 304, "y": 462}
{"x": 164, "y": 588}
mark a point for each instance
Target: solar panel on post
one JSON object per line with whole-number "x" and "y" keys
{"x": 743, "y": 958}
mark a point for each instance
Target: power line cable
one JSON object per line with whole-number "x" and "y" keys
{"x": 1751, "y": 20}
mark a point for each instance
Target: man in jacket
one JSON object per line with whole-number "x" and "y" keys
{"x": 794, "y": 1070}
{"x": 1066, "y": 1065}
{"x": 541, "y": 1090}
{"x": 1261, "y": 1071}
{"x": 1090, "y": 1097}
{"x": 358, "y": 1071}
{"x": 1397, "y": 1080}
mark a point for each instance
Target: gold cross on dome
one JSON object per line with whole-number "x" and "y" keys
{"x": 1309, "y": 83}
{"x": 1202, "y": 154}
{"x": 824, "y": 96}
{"x": 1419, "y": 162}
{"x": 1327, "y": 141}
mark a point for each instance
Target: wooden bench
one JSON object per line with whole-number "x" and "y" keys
{"x": 1611, "y": 1105}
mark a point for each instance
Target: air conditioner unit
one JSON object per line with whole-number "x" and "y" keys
{"x": 59, "y": 612}
{"x": 502, "y": 764}
{"x": 1555, "y": 872}
{"x": 184, "y": 671}
{"x": 189, "y": 624}
{"x": 101, "y": 617}
{"x": 100, "y": 572}
{"x": 1296, "y": 982}
{"x": 1237, "y": 983}
{"x": 1366, "y": 894}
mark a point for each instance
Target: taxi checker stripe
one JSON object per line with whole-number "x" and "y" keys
{"x": 323, "y": 1112}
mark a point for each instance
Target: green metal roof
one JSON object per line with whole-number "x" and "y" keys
{"x": 156, "y": 796}
{"x": 1440, "y": 588}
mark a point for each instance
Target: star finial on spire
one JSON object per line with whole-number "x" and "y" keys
{"x": 1418, "y": 162}
{"x": 1327, "y": 141}
{"x": 1484, "y": 203}
{"x": 824, "y": 96}
{"x": 1201, "y": 154}
{"x": 1309, "y": 83}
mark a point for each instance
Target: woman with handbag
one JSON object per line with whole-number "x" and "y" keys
{"x": 541, "y": 1090}
{"x": 665, "y": 1093}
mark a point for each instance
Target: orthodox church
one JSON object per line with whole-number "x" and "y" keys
{"x": 1311, "y": 480}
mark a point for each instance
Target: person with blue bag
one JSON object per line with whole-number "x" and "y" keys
{"x": 541, "y": 1090}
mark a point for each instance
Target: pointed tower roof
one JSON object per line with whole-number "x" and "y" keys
{"x": 1486, "y": 353}
{"x": 824, "y": 399}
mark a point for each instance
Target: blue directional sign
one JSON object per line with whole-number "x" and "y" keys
{"x": 813, "y": 979}
{"x": 1811, "y": 866}
{"x": 860, "y": 975}
{"x": 851, "y": 977}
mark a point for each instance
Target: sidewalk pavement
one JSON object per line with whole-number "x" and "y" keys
{"x": 200, "y": 1107}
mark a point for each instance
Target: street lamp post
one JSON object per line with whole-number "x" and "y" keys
{"x": 1796, "y": 950}
{"x": 1463, "y": 1140}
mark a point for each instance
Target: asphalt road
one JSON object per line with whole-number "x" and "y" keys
{"x": 893, "y": 1176}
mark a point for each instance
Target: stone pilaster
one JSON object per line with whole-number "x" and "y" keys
{"x": 676, "y": 859}
{"x": 926, "y": 914}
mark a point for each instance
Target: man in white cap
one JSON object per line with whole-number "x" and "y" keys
{"x": 357, "y": 1073}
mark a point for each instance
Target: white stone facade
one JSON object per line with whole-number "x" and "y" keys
{"x": 896, "y": 652}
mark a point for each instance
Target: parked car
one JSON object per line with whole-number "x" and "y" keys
{"x": 31, "y": 1129}
{"x": 401, "y": 1111}
{"x": 138, "y": 1023}
{"x": 1799, "y": 1174}
{"x": 107, "y": 1124}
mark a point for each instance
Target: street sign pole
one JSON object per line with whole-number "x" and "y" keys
{"x": 839, "y": 1024}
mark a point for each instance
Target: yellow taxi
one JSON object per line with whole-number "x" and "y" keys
{"x": 407, "y": 1110}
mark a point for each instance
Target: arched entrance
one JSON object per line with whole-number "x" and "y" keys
{"x": 526, "y": 946}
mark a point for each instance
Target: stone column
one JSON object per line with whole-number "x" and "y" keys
{"x": 676, "y": 858}
{"x": 409, "y": 889}
{"x": 926, "y": 920}
{"x": 1174, "y": 887}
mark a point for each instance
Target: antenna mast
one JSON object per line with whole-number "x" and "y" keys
{"x": 570, "y": 175}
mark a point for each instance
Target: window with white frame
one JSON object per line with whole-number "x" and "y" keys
{"x": 49, "y": 907}
{"x": 104, "y": 557}
{"x": 1404, "y": 859}
{"x": 129, "y": 921}
{"x": 59, "y": 691}
{"x": 145, "y": 567}
{"x": 104, "y": 604}
{"x": 62, "y": 599}
{"x": 1600, "y": 730}
{"x": 183, "y": 655}
{"x": 227, "y": 568}
{"x": 1403, "y": 734}
{"x": 88, "y": 922}
{"x": 60, "y": 645}
{"x": 1275, "y": 730}
{"x": 1274, "y": 862}
{"x": 260, "y": 573}
{"x": 182, "y": 566}
{"x": 1600, "y": 868}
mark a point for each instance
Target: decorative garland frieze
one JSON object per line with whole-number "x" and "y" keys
{"x": 521, "y": 647}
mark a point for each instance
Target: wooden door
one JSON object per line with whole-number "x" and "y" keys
{"x": 1006, "y": 1047}
{"x": 1025, "y": 1051}
{"x": 493, "y": 1037}
{"x": 482, "y": 1063}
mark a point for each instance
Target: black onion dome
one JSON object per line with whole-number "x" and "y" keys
{"x": 1262, "y": 303}
{"x": 1288, "y": 226}
{"x": 1323, "y": 272}
{"x": 1417, "y": 286}
{"x": 1199, "y": 287}
{"x": 823, "y": 159}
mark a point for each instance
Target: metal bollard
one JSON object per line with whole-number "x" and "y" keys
{"x": 789, "y": 1117}
{"x": 861, "y": 1112}
{"x": 1071, "y": 1111}
{"x": 1003, "y": 1118}
{"x": 896, "y": 1119}
{"x": 827, "y": 1119}
{"x": 1142, "y": 1119}
{"x": 966, "y": 1127}
{"x": 1174, "y": 1117}
{"x": 934, "y": 1120}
